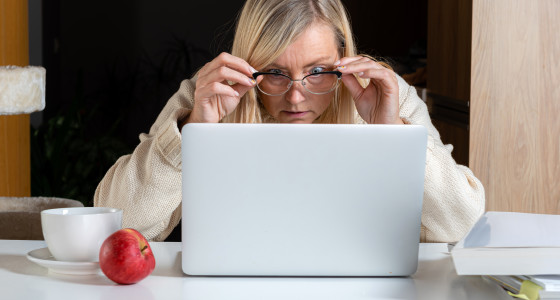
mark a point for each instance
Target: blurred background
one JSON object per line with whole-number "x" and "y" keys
{"x": 112, "y": 66}
{"x": 487, "y": 70}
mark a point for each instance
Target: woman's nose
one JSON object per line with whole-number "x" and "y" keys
{"x": 296, "y": 94}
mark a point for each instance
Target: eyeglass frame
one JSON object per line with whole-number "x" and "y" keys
{"x": 337, "y": 73}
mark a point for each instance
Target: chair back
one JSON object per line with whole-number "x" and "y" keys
{"x": 20, "y": 217}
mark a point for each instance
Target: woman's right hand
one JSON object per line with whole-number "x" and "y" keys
{"x": 214, "y": 97}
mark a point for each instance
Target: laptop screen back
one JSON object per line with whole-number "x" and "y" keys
{"x": 302, "y": 200}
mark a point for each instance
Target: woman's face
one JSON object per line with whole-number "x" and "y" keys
{"x": 314, "y": 51}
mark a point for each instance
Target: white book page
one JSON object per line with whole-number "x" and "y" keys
{"x": 509, "y": 229}
{"x": 549, "y": 282}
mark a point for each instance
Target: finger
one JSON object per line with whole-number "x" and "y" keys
{"x": 230, "y": 61}
{"x": 385, "y": 77}
{"x": 234, "y": 62}
{"x": 214, "y": 89}
{"x": 224, "y": 73}
{"x": 346, "y": 60}
{"x": 372, "y": 70}
{"x": 353, "y": 86}
{"x": 259, "y": 79}
{"x": 242, "y": 89}
{"x": 360, "y": 65}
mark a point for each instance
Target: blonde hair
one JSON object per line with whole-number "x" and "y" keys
{"x": 265, "y": 28}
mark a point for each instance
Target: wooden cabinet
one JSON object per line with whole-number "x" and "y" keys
{"x": 515, "y": 103}
{"x": 494, "y": 92}
{"x": 449, "y": 71}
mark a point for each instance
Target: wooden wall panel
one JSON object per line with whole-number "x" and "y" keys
{"x": 515, "y": 104}
{"x": 449, "y": 72}
{"x": 456, "y": 135}
{"x": 449, "y": 48}
{"x": 15, "y": 178}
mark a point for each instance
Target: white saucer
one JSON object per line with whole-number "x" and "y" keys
{"x": 44, "y": 258}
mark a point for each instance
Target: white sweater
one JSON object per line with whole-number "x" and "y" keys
{"x": 146, "y": 184}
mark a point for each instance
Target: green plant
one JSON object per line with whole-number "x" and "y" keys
{"x": 67, "y": 160}
{"x": 72, "y": 151}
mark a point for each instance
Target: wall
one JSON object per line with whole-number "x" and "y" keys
{"x": 515, "y": 103}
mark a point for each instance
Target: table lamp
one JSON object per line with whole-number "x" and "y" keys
{"x": 22, "y": 90}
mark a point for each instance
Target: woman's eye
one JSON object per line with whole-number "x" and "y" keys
{"x": 317, "y": 70}
{"x": 276, "y": 71}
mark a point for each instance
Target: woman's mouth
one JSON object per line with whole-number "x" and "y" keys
{"x": 296, "y": 114}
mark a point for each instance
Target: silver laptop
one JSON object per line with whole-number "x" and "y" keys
{"x": 302, "y": 200}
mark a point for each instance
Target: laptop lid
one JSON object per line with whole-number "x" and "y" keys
{"x": 302, "y": 200}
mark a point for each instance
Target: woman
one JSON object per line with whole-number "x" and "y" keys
{"x": 309, "y": 72}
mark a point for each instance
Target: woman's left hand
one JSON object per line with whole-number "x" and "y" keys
{"x": 378, "y": 103}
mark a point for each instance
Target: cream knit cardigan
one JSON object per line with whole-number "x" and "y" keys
{"x": 146, "y": 184}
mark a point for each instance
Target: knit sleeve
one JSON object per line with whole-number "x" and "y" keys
{"x": 146, "y": 184}
{"x": 453, "y": 196}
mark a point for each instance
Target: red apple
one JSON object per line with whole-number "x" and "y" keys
{"x": 125, "y": 257}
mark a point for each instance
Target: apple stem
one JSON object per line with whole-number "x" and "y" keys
{"x": 142, "y": 250}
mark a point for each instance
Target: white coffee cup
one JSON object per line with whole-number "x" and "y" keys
{"x": 75, "y": 234}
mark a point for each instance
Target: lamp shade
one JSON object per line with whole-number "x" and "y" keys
{"x": 22, "y": 89}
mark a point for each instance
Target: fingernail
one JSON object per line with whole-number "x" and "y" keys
{"x": 337, "y": 63}
{"x": 252, "y": 81}
{"x": 253, "y": 70}
{"x": 236, "y": 94}
{"x": 341, "y": 67}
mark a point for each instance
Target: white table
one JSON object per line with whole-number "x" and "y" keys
{"x": 435, "y": 279}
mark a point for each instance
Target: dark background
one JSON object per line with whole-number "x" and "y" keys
{"x": 112, "y": 66}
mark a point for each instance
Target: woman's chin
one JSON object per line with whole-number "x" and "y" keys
{"x": 295, "y": 121}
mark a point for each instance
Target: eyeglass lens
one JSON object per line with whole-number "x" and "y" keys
{"x": 278, "y": 84}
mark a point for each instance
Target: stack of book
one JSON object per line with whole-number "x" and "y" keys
{"x": 515, "y": 250}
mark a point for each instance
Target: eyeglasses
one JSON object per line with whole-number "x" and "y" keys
{"x": 276, "y": 84}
